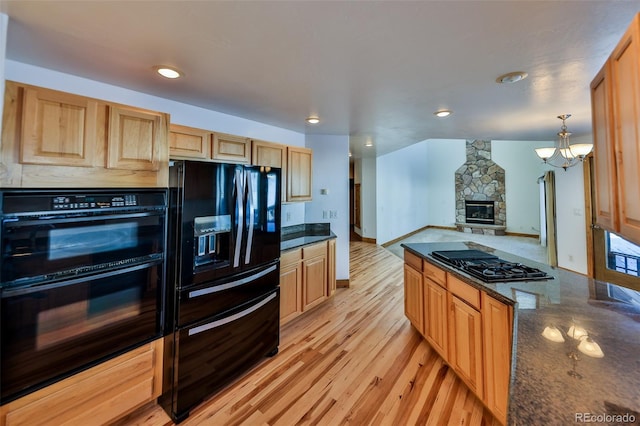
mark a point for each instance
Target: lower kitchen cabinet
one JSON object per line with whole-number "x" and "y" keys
{"x": 290, "y": 285}
{"x": 435, "y": 317}
{"x": 472, "y": 331}
{"x": 314, "y": 275}
{"x": 98, "y": 395}
{"x": 497, "y": 334}
{"x": 306, "y": 276}
{"x": 465, "y": 343}
{"x": 413, "y": 297}
{"x": 331, "y": 267}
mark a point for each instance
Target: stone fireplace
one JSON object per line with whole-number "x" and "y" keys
{"x": 480, "y": 192}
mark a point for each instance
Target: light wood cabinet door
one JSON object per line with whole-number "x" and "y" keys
{"x": 497, "y": 332}
{"x": 136, "y": 138}
{"x": 331, "y": 267}
{"x": 299, "y": 174}
{"x": 625, "y": 80}
{"x": 604, "y": 158}
{"x": 58, "y": 128}
{"x": 231, "y": 148}
{"x": 272, "y": 155}
{"x": 435, "y": 317}
{"x": 314, "y": 281}
{"x": 414, "y": 297}
{"x": 189, "y": 142}
{"x": 290, "y": 292}
{"x": 99, "y": 395}
{"x": 465, "y": 343}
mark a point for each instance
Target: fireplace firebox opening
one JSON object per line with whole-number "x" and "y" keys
{"x": 477, "y": 211}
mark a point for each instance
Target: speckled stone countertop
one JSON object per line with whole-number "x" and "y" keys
{"x": 542, "y": 391}
{"x": 302, "y": 235}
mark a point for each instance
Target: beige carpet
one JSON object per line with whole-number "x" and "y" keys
{"x": 526, "y": 247}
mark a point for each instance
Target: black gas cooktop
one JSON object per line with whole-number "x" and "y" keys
{"x": 489, "y": 268}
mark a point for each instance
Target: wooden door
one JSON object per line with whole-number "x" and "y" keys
{"x": 414, "y": 297}
{"x": 136, "y": 138}
{"x": 605, "y": 182}
{"x": 189, "y": 142}
{"x": 435, "y": 317}
{"x": 357, "y": 205}
{"x": 231, "y": 148}
{"x": 58, "y": 128}
{"x": 272, "y": 155}
{"x": 300, "y": 171}
{"x": 497, "y": 326}
{"x": 465, "y": 343}
{"x": 625, "y": 78}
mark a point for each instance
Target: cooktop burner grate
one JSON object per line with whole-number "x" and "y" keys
{"x": 490, "y": 268}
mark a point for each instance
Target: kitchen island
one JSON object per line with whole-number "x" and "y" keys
{"x": 552, "y": 380}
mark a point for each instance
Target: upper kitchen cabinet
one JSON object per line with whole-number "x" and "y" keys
{"x": 231, "y": 148}
{"x": 58, "y": 128}
{"x": 616, "y": 133}
{"x": 271, "y": 154}
{"x": 299, "y": 164}
{"x": 56, "y": 139}
{"x": 189, "y": 142}
{"x": 136, "y": 138}
{"x": 606, "y": 207}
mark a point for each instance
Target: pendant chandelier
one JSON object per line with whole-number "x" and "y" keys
{"x": 564, "y": 155}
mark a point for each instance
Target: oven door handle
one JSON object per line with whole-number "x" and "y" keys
{"x": 18, "y": 291}
{"x": 53, "y": 219}
{"x": 231, "y": 318}
{"x": 216, "y": 288}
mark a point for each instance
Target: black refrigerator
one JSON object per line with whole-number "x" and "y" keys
{"x": 223, "y": 303}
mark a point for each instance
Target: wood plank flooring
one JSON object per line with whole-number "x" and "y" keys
{"x": 355, "y": 359}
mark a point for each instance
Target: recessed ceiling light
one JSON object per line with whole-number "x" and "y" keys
{"x": 313, "y": 120}
{"x": 369, "y": 142}
{"x": 442, "y": 113}
{"x": 512, "y": 77}
{"x": 168, "y": 72}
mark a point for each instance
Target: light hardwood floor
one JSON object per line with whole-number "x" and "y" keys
{"x": 355, "y": 359}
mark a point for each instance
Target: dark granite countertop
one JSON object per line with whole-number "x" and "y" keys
{"x": 301, "y": 235}
{"x": 542, "y": 390}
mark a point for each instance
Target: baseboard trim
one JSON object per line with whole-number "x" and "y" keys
{"x": 518, "y": 234}
{"x": 388, "y": 243}
{"x": 368, "y": 240}
{"x": 342, "y": 283}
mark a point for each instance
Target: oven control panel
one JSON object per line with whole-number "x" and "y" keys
{"x": 77, "y": 202}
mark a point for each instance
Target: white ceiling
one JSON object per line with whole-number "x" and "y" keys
{"x": 368, "y": 69}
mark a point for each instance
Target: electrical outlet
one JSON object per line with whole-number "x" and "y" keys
{"x": 288, "y": 216}
{"x": 324, "y": 214}
{"x": 333, "y": 214}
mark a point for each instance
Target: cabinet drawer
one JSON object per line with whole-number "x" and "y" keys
{"x": 290, "y": 257}
{"x": 314, "y": 250}
{"x": 464, "y": 291}
{"x": 434, "y": 273}
{"x": 412, "y": 260}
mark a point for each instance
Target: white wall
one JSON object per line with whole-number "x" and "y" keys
{"x": 444, "y": 157}
{"x": 522, "y": 170}
{"x": 331, "y": 173}
{"x": 570, "y": 219}
{"x": 365, "y": 170}
{"x": 401, "y": 192}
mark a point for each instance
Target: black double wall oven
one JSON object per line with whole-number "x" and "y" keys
{"x": 81, "y": 281}
{"x": 224, "y": 249}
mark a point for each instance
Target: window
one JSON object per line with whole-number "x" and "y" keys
{"x": 622, "y": 256}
